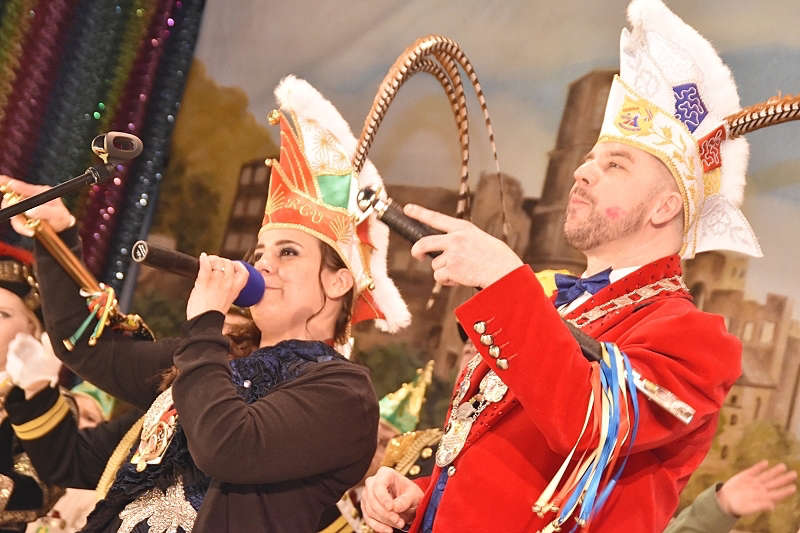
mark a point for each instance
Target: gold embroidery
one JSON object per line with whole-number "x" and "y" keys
{"x": 635, "y": 117}
{"x": 297, "y": 177}
{"x": 342, "y": 228}
{"x": 712, "y": 182}
{"x": 275, "y": 201}
{"x": 325, "y": 156}
{"x": 317, "y": 201}
{"x": 298, "y": 134}
{"x": 50, "y": 494}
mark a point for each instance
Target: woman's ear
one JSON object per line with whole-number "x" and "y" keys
{"x": 336, "y": 283}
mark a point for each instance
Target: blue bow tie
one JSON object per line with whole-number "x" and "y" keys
{"x": 571, "y": 287}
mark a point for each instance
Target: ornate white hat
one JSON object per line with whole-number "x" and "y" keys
{"x": 671, "y": 99}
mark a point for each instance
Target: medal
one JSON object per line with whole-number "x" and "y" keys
{"x": 463, "y": 415}
{"x": 455, "y": 435}
{"x": 493, "y": 388}
{"x": 158, "y": 428}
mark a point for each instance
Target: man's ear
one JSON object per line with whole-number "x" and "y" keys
{"x": 337, "y": 283}
{"x": 669, "y": 205}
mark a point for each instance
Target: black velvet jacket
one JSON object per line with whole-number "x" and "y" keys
{"x": 274, "y": 463}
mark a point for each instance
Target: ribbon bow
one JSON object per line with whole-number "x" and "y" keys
{"x": 571, "y": 287}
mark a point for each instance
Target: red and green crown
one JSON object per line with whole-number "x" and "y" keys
{"x": 313, "y": 189}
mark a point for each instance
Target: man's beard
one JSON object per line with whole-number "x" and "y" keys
{"x": 595, "y": 230}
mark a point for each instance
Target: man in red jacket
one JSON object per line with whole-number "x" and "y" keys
{"x": 537, "y": 437}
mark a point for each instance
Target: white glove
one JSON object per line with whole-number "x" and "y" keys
{"x": 31, "y": 362}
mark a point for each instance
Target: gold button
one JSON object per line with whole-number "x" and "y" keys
{"x": 494, "y": 351}
{"x": 479, "y": 327}
{"x": 414, "y": 470}
{"x": 487, "y": 340}
{"x": 426, "y": 453}
{"x": 451, "y": 471}
{"x": 502, "y": 364}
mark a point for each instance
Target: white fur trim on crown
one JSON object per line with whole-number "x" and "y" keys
{"x": 308, "y": 104}
{"x": 662, "y": 46}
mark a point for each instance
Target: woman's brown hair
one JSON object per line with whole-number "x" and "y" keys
{"x": 332, "y": 261}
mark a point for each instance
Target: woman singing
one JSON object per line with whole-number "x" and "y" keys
{"x": 267, "y": 441}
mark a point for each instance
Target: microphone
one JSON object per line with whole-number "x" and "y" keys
{"x": 117, "y": 147}
{"x": 391, "y": 214}
{"x": 188, "y": 266}
{"x": 112, "y": 147}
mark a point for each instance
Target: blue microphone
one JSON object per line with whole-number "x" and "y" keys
{"x": 253, "y": 290}
{"x": 187, "y": 266}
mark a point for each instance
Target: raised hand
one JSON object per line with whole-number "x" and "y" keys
{"x": 53, "y": 212}
{"x": 218, "y": 283}
{"x": 756, "y": 489}
{"x": 31, "y": 364}
{"x": 470, "y": 256}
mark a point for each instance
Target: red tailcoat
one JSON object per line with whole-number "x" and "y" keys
{"x": 517, "y": 445}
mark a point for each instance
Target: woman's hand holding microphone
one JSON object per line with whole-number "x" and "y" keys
{"x": 218, "y": 283}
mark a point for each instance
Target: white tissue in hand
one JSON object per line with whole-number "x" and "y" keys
{"x": 30, "y": 361}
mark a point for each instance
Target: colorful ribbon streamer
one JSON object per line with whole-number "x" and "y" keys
{"x": 593, "y": 477}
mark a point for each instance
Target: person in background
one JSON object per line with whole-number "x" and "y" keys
{"x": 754, "y": 490}
{"x": 23, "y": 496}
{"x": 399, "y": 417}
{"x": 538, "y": 438}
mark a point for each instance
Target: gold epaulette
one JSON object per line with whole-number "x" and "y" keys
{"x": 406, "y": 449}
{"x": 45, "y": 423}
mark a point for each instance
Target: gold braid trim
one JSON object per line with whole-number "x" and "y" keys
{"x": 115, "y": 461}
{"x": 339, "y": 525}
{"x": 43, "y": 424}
